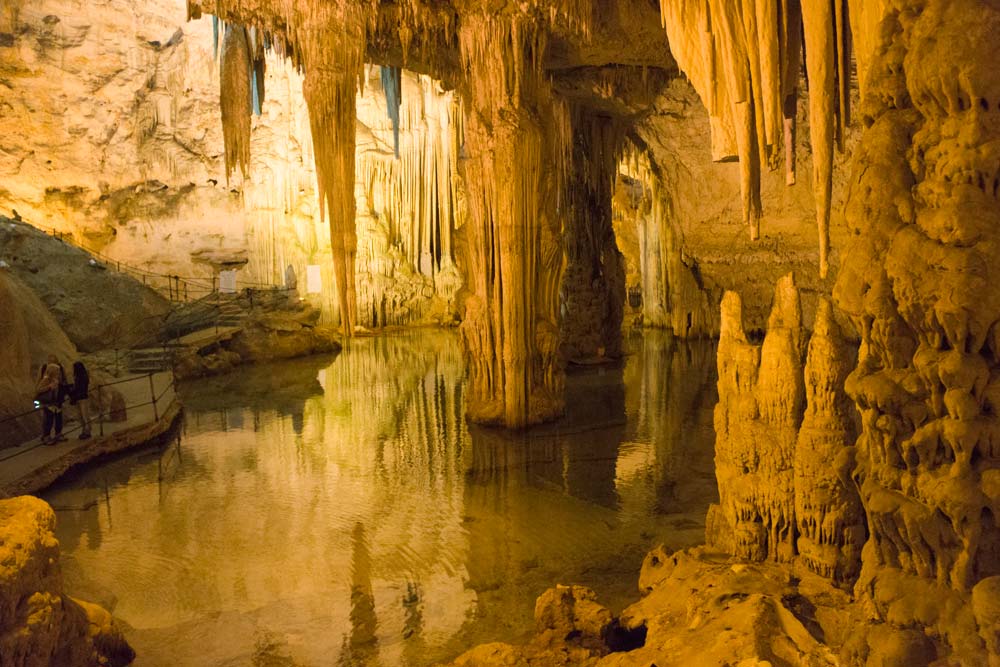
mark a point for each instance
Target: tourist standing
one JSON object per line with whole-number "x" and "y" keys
{"x": 50, "y": 392}
{"x": 78, "y": 395}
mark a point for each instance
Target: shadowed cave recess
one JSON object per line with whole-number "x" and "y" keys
{"x": 698, "y": 293}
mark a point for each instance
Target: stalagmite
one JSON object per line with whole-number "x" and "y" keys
{"x": 828, "y": 511}
{"x": 761, "y": 397}
{"x": 235, "y": 99}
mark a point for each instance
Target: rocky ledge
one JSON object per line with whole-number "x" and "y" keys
{"x": 701, "y": 607}
{"x": 39, "y": 624}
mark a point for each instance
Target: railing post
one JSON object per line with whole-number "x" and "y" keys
{"x": 100, "y": 418}
{"x": 152, "y": 393}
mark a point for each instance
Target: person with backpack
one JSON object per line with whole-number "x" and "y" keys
{"x": 78, "y": 394}
{"x": 49, "y": 394}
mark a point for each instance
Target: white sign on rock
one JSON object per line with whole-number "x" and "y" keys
{"x": 314, "y": 279}
{"x": 227, "y": 282}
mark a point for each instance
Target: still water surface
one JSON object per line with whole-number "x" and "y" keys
{"x": 339, "y": 511}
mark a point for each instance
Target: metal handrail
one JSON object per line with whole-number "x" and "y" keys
{"x": 99, "y": 420}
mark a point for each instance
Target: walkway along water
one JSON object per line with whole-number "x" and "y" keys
{"x": 152, "y": 408}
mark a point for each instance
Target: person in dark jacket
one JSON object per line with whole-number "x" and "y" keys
{"x": 50, "y": 393}
{"x": 78, "y": 395}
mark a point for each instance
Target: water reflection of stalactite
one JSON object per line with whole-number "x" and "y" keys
{"x": 413, "y": 623}
{"x": 360, "y": 646}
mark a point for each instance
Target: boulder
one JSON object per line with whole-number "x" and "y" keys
{"x": 39, "y": 624}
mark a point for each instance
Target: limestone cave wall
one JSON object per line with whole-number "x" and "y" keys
{"x": 127, "y": 142}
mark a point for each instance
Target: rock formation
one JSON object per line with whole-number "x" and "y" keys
{"x": 65, "y": 280}
{"x": 761, "y": 396}
{"x": 917, "y": 286}
{"x": 671, "y": 293}
{"x": 39, "y": 624}
{"x": 593, "y": 289}
{"x": 743, "y": 59}
{"x": 828, "y": 513}
{"x": 513, "y": 127}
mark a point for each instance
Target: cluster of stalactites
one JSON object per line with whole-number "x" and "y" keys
{"x": 415, "y": 191}
{"x": 241, "y": 55}
{"x": 392, "y": 86}
{"x": 744, "y": 59}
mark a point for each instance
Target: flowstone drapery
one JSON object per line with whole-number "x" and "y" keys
{"x": 516, "y": 136}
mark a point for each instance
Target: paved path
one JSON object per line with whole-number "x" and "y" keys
{"x": 31, "y": 466}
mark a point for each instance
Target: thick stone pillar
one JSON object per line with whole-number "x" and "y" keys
{"x": 514, "y": 138}
{"x": 593, "y": 286}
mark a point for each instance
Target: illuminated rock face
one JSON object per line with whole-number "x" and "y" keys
{"x": 919, "y": 288}
{"x": 127, "y": 155}
{"x": 38, "y": 623}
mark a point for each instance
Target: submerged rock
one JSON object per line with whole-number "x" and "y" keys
{"x": 39, "y": 624}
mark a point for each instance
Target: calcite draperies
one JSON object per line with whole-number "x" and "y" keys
{"x": 516, "y": 137}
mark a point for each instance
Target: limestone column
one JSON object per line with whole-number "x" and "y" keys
{"x": 593, "y": 286}
{"x": 514, "y": 262}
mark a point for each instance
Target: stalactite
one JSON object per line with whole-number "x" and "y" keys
{"x": 330, "y": 97}
{"x": 235, "y": 99}
{"x": 215, "y": 36}
{"x": 821, "y": 66}
{"x": 413, "y": 197}
{"x": 392, "y": 87}
{"x": 735, "y": 55}
{"x": 791, "y": 64}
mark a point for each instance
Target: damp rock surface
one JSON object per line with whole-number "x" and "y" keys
{"x": 39, "y": 623}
